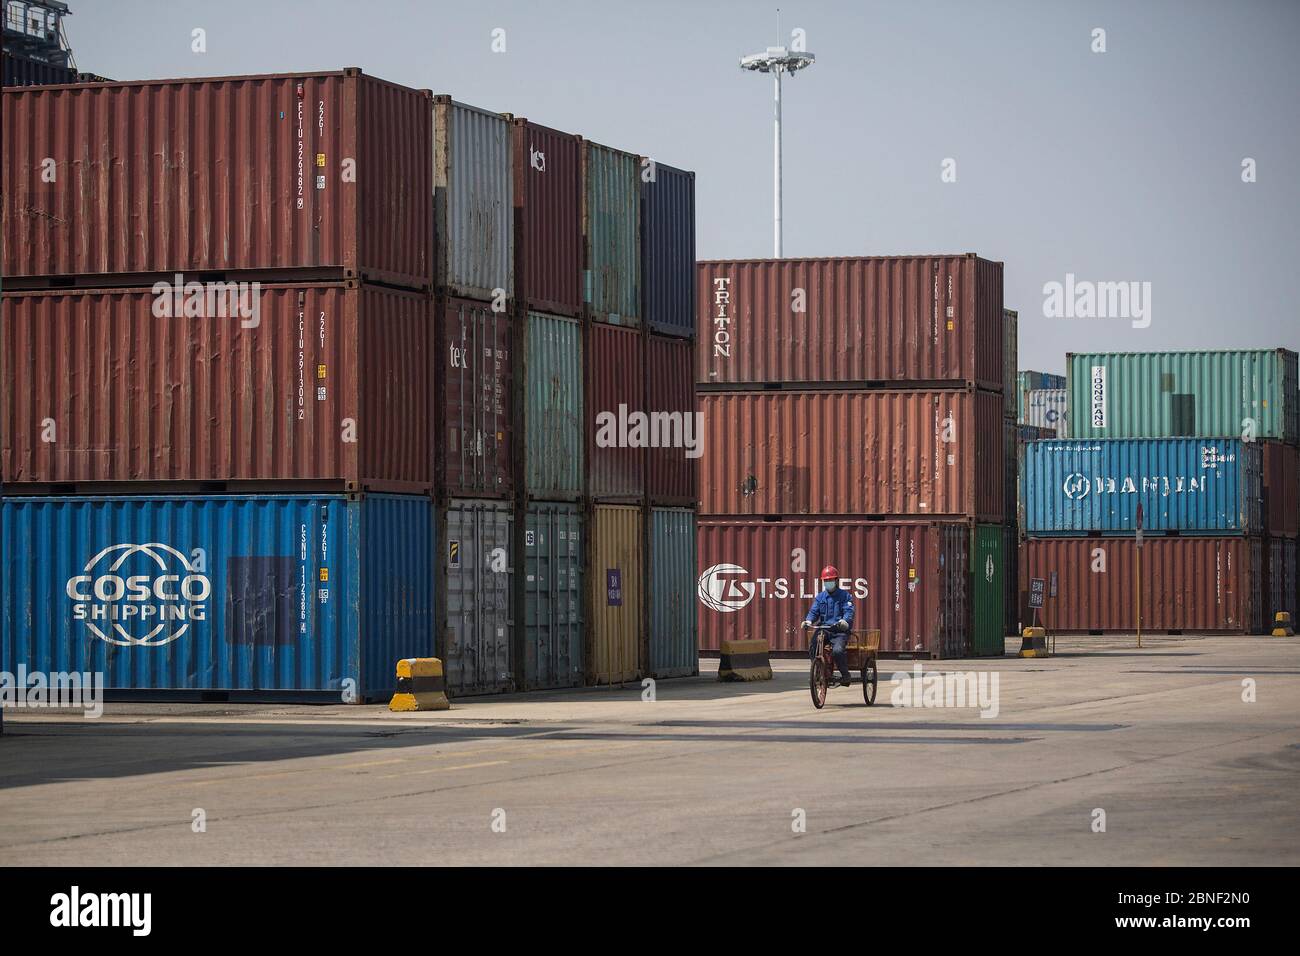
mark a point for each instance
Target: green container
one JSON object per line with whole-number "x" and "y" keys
{"x": 1197, "y": 394}
{"x": 674, "y": 636}
{"x": 552, "y": 596}
{"x": 611, "y": 229}
{"x": 989, "y": 581}
{"x": 552, "y": 407}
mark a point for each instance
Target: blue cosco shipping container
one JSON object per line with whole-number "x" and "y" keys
{"x": 264, "y": 597}
{"x": 1185, "y": 485}
{"x": 668, "y": 251}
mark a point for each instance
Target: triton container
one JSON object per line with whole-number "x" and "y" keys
{"x": 1184, "y": 485}
{"x": 879, "y": 321}
{"x": 548, "y": 217}
{"x": 875, "y": 453}
{"x": 611, "y": 230}
{"x": 676, "y": 431}
{"x": 674, "y": 640}
{"x": 552, "y": 405}
{"x": 323, "y": 173}
{"x": 475, "y": 434}
{"x": 617, "y": 426}
{"x": 325, "y": 385}
{"x": 668, "y": 251}
{"x": 615, "y": 590}
{"x": 1176, "y": 394}
{"x": 476, "y": 568}
{"x": 552, "y": 597}
{"x": 260, "y": 597}
{"x": 910, "y": 579}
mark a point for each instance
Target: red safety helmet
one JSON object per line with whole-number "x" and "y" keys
{"x": 830, "y": 572}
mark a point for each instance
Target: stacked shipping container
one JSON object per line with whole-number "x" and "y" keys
{"x": 854, "y": 415}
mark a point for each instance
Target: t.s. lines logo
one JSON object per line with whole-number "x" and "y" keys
{"x": 139, "y": 595}
{"x": 720, "y": 589}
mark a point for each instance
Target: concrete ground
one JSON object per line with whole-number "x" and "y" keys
{"x": 1159, "y": 739}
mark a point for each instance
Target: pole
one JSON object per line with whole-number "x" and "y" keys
{"x": 776, "y": 79}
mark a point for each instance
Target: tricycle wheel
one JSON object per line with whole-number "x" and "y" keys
{"x": 869, "y": 678}
{"x": 817, "y": 677}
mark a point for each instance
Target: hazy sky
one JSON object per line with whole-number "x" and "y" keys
{"x": 1115, "y": 166}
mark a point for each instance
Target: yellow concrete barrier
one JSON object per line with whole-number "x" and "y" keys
{"x": 744, "y": 660}
{"x": 1033, "y": 642}
{"x": 1282, "y": 626}
{"x": 420, "y": 685}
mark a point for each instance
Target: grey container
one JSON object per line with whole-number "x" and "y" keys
{"x": 551, "y": 600}
{"x": 674, "y": 633}
{"x": 476, "y": 568}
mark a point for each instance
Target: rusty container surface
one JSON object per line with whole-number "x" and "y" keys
{"x": 672, "y": 461}
{"x": 319, "y": 383}
{"x": 1188, "y": 584}
{"x": 547, "y": 166}
{"x": 758, "y": 579}
{"x": 879, "y": 453}
{"x": 615, "y": 407}
{"x": 325, "y": 172}
{"x": 615, "y": 589}
{"x": 887, "y": 320}
{"x": 474, "y": 437}
{"x": 1281, "y": 479}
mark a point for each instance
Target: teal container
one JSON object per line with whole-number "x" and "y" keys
{"x": 611, "y": 230}
{"x": 988, "y": 568}
{"x": 552, "y": 598}
{"x": 674, "y": 637}
{"x": 552, "y": 408}
{"x": 1203, "y": 394}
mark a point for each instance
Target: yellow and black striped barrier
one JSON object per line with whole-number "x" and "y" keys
{"x": 420, "y": 685}
{"x": 744, "y": 660}
{"x": 1282, "y": 626}
{"x": 1033, "y": 642}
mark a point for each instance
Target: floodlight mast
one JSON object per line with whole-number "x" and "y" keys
{"x": 777, "y": 60}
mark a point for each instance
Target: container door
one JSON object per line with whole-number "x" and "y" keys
{"x": 674, "y": 640}
{"x": 988, "y": 574}
{"x": 479, "y": 625}
{"x": 552, "y": 597}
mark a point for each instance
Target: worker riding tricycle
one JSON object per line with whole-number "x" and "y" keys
{"x": 835, "y": 645}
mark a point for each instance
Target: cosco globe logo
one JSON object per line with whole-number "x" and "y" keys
{"x": 148, "y": 608}
{"x": 720, "y": 590}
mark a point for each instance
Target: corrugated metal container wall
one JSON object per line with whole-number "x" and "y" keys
{"x": 912, "y": 453}
{"x": 1010, "y": 356}
{"x": 136, "y": 397}
{"x": 1176, "y": 394}
{"x": 611, "y": 232}
{"x": 1011, "y": 474}
{"x": 1188, "y": 584}
{"x": 475, "y": 437}
{"x": 477, "y": 564}
{"x": 234, "y": 618}
{"x": 616, "y": 366}
{"x": 1281, "y": 480}
{"x": 325, "y": 171}
{"x": 910, "y": 579}
{"x": 474, "y": 201}
{"x": 23, "y": 71}
{"x": 674, "y": 639}
{"x": 988, "y": 591}
{"x": 672, "y": 475}
{"x": 552, "y": 596}
{"x": 814, "y": 321}
{"x": 618, "y": 552}
{"x": 1027, "y": 381}
{"x": 668, "y": 251}
{"x": 1281, "y": 579}
{"x": 548, "y": 213}
{"x": 1046, "y": 408}
{"x": 553, "y": 407}
{"x": 1011, "y": 582}
{"x": 1187, "y": 485}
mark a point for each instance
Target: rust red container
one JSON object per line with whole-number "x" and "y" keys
{"x": 1188, "y": 584}
{"x": 676, "y": 436}
{"x": 878, "y": 453}
{"x": 327, "y": 384}
{"x": 547, "y": 168}
{"x": 757, "y": 579}
{"x": 886, "y": 320}
{"x": 616, "y": 443}
{"x": 475, "y": 424}
{"x": 1281, "y": 480}
{"x": 329, "y": 173}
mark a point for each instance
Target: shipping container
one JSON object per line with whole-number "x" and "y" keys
{"x": 611, "y": 231}
{"x": 473, "y": 201}
{"x": 616, "y": 425}
{"x": 1028, "y": 381}
{"x": 1281, "y": 481}
{"x": 615, "y": 591}
{"x": 988, "y": 568}
{"x": 548, "y": 218}
{"x": 1183, "y": 485}
{"x": 477, "y": 565}
{"x": 476, "y": 418}
{"x": 674, "y": 640}
{"x": 552, "y": 400}
{"x": 668, "y": 250}
{"x": 1045, "y": 408}
{"x": 24, "y": 71}
{"x": 910, "y": 453}
{"x": 257, "y": 596}
{"x": 1280, "y": 592}
{"x": 676, "y": 430}
{"x": 552, "y": 596}
{"x": 910, "y": 579}
{"x": 1010, "y": 356}
{"x": 328, "y": 384}
{"x": 1188, "y": 584}
{"x": 1011, "y": 474}
{"x": 887, "y": 320}
{"x": 323, "y": 172}
{"x": 1011, "y": 579}
{"x": 1219, "y": 394}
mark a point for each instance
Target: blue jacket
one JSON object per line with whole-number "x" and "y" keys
{"x": 831, "y": 607}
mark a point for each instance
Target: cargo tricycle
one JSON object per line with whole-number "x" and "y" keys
{"x": 861, "y": 650}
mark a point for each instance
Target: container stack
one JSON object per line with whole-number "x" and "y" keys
{"x": 1011, "y": 473}
{"x": 854, "y": 415}
{"x": 216, "y": 383}
{"x": 1204, "y": 444}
